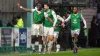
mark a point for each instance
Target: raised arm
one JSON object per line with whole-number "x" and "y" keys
{"x": 85, "y": 25}
{"x": 25, "y": 9}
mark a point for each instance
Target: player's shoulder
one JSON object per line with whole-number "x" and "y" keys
{"x": 34, "y": 11}
{"x": 50, "y": 10}
{"x": 80, "y": 14}
{"x": 53, "y": 12}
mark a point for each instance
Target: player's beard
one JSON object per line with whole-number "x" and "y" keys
{"x": 75, "y": 12}
{"x": 39, "y": 9}
{"x": 46, "y": 10}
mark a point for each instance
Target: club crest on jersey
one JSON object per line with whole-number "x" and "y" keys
{"x": 75, "y": 21}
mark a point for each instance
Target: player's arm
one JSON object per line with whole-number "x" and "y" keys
{"x": 69, "y": 17}
{"x": 46, "y": 16}
{"x": 85, "y": 25}
{"x": 25, "y": 9}
{"x": 63, "y": 24}
{"x": 55, "y": 18}
{"x": 60, "y": 18}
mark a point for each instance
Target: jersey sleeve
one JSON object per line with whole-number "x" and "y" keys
{"x": 60, "y": 18}
{"x": 55, "y": 18}
{"x": 34, "y": 9}
{"x": 83, "y": 21}
{"x": 69, "y": 17}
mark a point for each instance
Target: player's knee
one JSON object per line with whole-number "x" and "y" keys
{"x": 50, "y": 38}
{"x": 45, "y": 39}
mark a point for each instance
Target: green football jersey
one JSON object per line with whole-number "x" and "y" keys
{"x": 75, "y": 21}
{"x": 57, "y": 26}
{"x": 46, "y": 22}
{"x": 37, "y": 17}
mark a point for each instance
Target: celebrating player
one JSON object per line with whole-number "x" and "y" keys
{"x": 75, "y": 18}
{"x": 37, "y": 24}
{"x": 49, "y": 25}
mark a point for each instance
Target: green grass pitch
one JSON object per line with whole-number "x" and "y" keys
{"x": 81, "y": 52}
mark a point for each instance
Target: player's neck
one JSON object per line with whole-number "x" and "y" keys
{"x": 75, "y": 13}
{"x": 48, "y": 10}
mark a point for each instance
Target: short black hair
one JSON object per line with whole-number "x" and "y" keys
{"x": 46, "y": 4}
{"x": 18, "y": 17}
{"x": 38, "y": 5}
{"x": 14, "y": 20}
{"x": 75, "y": 7}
